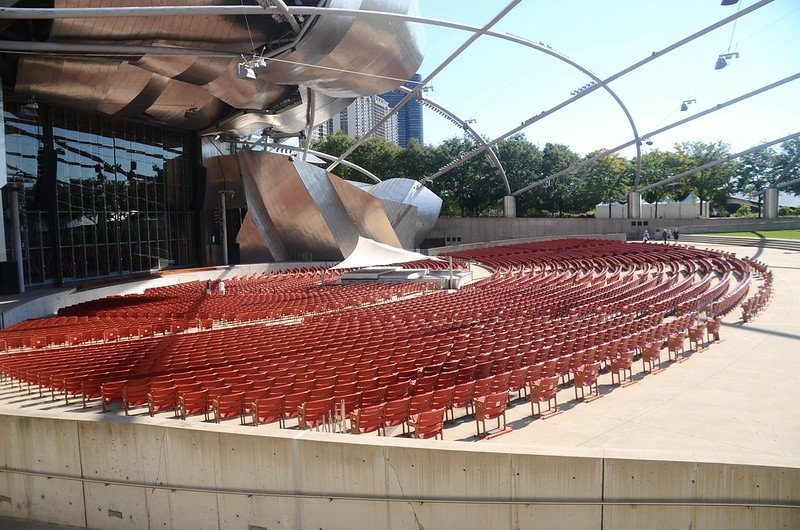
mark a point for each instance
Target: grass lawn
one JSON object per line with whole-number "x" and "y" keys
{"x": 767, "y": 234}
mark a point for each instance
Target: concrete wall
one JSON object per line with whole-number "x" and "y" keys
{"x": 176, "y": 475}
{"x": 48, "y": 302}
{"x": 477, "y": 230}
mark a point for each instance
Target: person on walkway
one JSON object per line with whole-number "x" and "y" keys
{"x": 645, "y": 236}
{"x": 675, "y": 235}
{"x": 665, "y": 235}
{"x": 221, "y": 287}
{"x": 208, "y": 287}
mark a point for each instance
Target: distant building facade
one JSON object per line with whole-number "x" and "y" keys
{"x": 359, "y": 118}
{"x": 409, "y": 117}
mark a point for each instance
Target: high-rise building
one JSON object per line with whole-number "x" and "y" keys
{"x": 409, "y": 117}
{"x": 359, "y": 118}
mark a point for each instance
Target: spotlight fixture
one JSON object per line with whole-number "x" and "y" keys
{"x": 247, "y": 68}
{"x": 722, "y": 60}
{"x": 729, "y": 2}
{"x": 585, "y": 87}
{"x": 686, "y": 103}
{"x": 190, "y": 112}
{"x": 31, "y": 108}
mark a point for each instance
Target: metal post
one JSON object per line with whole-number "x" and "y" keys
{"x": 634, "y": 205}
{"x": 16, "y": 237}
{"x": 771, "y": 203}
{"x": 510, "y": 206}
{"x": 223, "y": 222}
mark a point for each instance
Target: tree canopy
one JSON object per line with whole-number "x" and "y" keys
{"x": 476, "y": 189}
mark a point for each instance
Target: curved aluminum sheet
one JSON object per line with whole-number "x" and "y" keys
{"x": 370, "y": 45}
{"x": 290, "y": 120}
{"x": 150, "y": 85}
{"x": 302, "y": 212}
{"x": 411, "y": 193}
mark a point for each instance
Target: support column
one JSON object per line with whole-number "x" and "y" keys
{"x": 223, "y": 222}
{"x": 634, "y": 205}
{"x": 510, "y": 206}
{"x": 16, "y": 236}
{"x": 771, "y": 203}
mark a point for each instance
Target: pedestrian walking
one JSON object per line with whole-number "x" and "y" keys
{"x": 665, "y": 235}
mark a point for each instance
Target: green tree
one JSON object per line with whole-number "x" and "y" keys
{"x": 378, "y": 156}
{"x": 522, "y": 161}
{"x": 754, "y": 173}
{"x": 559, "y": 194}
{"x": 335, "y": 145}
{"x": 656, "y": 166}
{"x": 786, "y": 159}
{"x": 711, "y": 185}
{"x": 471, "y": 189}
{"x": 416, "y": 161}
{"x": 604, "y": 180}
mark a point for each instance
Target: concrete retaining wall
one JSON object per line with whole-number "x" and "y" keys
{"x": 184, "y": 476}
{"x": 464, "y": 230}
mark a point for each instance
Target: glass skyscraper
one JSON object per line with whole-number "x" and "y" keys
{"x": 409, "y": 117}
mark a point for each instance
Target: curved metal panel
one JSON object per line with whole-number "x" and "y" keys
{"x": 298, "y": 210}
{"x": 290, "y": 120}
{"x": 148, "y": 85}
{"x": 410, "y": 192}
{"x": 338, "y": 41}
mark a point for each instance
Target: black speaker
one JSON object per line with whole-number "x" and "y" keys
{"x": 199, "y": 191}
{"x": 8, "y": 278}
{"x": 47, "y": 166}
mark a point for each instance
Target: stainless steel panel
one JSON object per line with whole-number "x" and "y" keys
{"x": 366, "y": 213}
{"x": 252, "y": 246}
{"x": 411, "y": 192}
{"x": 369, "y": 45}
{"x": 300, "y": 211}
{"x": 149, "y": 85}
{"x": 291, "y": 206}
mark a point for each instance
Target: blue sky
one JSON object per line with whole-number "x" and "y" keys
{"x": 500, "y": 84}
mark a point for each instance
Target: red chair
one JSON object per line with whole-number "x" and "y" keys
{"x": 545, "y": 389}
{"x": 266, "y": 410}
{"x": 193, "y": 403}
{"x": 462, "y": 397}
{"x": 696, "y": 336}
{"x": 675, "y": 345}
{"x": 443, "y": 399}
{"x": 227, "y": 406}
{"x": 367, "y": 419}
{"x": 517, "y": 381}
{"x": 396, "y": 413}
{"x": 425, "y": 384}
{"x": 427, "y": 424}
{"x": 134, "y": 394}
{"x": 586, "y": 376}
{"x": 491, "y": 407}
{"x": 621, "y": 365}
{"x": 374, "y": 396}
{"x": 314, "y": 413}
{"x": 420, "y": 403}
{"x": 291, "y": 403}
{"x": 398, "y": 390}
{"x": 650, "y": 355}
{"x": 161, "y": 398}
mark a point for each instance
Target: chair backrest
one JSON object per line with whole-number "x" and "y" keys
{"x": 428, "y": 424}
{"x": 491, "y": 406}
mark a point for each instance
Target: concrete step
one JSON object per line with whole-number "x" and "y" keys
{"x": 780, "y": 244}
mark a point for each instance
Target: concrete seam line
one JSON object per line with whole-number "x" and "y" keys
{"x": 420, "y": 500}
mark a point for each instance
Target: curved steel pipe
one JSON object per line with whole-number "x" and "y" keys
{"x": 657, "y": 131}
{"x": 490, "y": 154}
{"x": 324, "y": 156}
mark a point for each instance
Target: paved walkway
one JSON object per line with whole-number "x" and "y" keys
{"x": 732, "y": 401}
